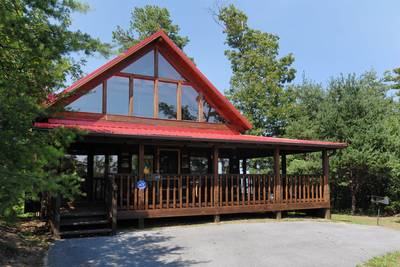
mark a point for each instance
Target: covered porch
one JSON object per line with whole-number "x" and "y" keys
{"x": 164, "y": 178}
{"x": 138, "y": 171}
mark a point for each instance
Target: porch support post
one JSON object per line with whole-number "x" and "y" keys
{"x": 325, "y": 170}
{"x": 141, "y": 177}
{"x": 277, "y": 175}
{"x": 216, "y": 181}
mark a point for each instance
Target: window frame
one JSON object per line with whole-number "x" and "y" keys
{"x": 156, "y": 79}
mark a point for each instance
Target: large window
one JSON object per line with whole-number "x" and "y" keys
{"x": 142, "y": 66}
{"x": 165, "y": 70}
{"x": 90, "y": 102}
{"x": 143, "y": 91}
{"x": 167, "y": 100}
{"x": 190, "y": 103}
{"x": 118, "y": 96}
{"x": 143, "y": 98}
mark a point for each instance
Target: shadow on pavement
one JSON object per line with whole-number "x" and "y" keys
{"x": 120, "y": 250}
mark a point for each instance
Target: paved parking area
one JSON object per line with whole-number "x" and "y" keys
{"x": 287, "y": 243}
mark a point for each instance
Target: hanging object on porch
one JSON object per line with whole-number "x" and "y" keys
{"x": 141, "y": 184}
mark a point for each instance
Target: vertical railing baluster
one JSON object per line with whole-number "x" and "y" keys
{"x": 199, "y": 190}
{"x": 187, "y": 192}
{"x": 226, "y": 191}
{"x": 161, "y": 192}
{"x": 168, "y": 191}
{"x": 193, "y": 191}
{"x": 180, "y": 191}
{"x": 174, "y": 192}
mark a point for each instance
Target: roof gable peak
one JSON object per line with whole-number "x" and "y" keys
{"x": 180, "y": 62}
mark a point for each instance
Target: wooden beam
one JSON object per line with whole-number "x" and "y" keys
{"x": 278, "y": 192}
{"x": 216, "y": 178}
{"x": 200, "y": 107}
{"x": 141, "y": 160}
{"x": 141, "y": 175}
{"x": 193, "y": 211}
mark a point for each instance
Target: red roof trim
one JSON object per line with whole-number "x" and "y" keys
{"x": 172, "y": 132}
{"x": 234, "y": 115}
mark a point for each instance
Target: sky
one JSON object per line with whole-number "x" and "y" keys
{"x": 326, "y": 37}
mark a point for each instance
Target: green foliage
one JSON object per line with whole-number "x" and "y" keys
{"x": 394, "y": 78}
{"x": 355, "y": 110}
{"x": 259, "y": 74}
{"x": 35, "y": 43}
{"x": 144, "y": 22}
{"x": 388, "y": 260}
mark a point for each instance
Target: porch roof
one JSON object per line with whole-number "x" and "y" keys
{"x": 136, "y": 130}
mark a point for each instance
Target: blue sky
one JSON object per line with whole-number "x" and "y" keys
{"x": 326, "y": 37}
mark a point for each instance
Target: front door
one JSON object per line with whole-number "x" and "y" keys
{"x": 169, "y": 162}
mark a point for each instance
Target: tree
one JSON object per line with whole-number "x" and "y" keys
{"x": 259, "y": 74}
{"x": 35, "y": 43}
{"x": 144, "y": 22}
{"x": 393, "y": 77}
{"x": 355, "y": 110}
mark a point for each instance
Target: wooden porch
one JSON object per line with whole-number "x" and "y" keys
{"x": 165, "y": 187}
{"x": 189, "y": 195}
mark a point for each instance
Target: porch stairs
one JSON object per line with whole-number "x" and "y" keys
{"x": 81, "y": 219}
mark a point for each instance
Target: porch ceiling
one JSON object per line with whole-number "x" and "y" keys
{"x": 201, "y": 136}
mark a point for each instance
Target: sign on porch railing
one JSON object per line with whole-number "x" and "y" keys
{"x": 141, "y": 184}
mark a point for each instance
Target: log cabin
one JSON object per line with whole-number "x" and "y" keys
{"x": 159, "y": 140}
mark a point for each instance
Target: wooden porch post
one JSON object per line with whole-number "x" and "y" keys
{"x": 216, "y": 182}
{"x": 325, "y": 169}
{"x": 277, "y": 176}
{"x": 141, "y": 177}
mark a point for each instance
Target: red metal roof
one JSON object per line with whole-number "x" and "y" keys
{"x": 222, "y": 104}
{"x": 172, "y": 132}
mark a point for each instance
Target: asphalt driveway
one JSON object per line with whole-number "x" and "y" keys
{"x": 291, "y": 243}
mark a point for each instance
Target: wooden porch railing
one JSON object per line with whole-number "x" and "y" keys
{"x": 204, "y": 191}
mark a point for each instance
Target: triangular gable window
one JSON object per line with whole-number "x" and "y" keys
{"x": 137, "y": 91}
{"x": 142, "y": 66}
{"x": 210, "y": 114}
{"x": 165, "y": 69}
{"x": 89, "y": 102}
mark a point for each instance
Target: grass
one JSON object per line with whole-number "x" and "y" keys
{"x": 390, "y": 222}
{"x": 388, "y": 260}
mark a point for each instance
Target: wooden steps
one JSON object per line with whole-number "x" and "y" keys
{"x": 84, "y": 219}
{"x": 88, "y": 232}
